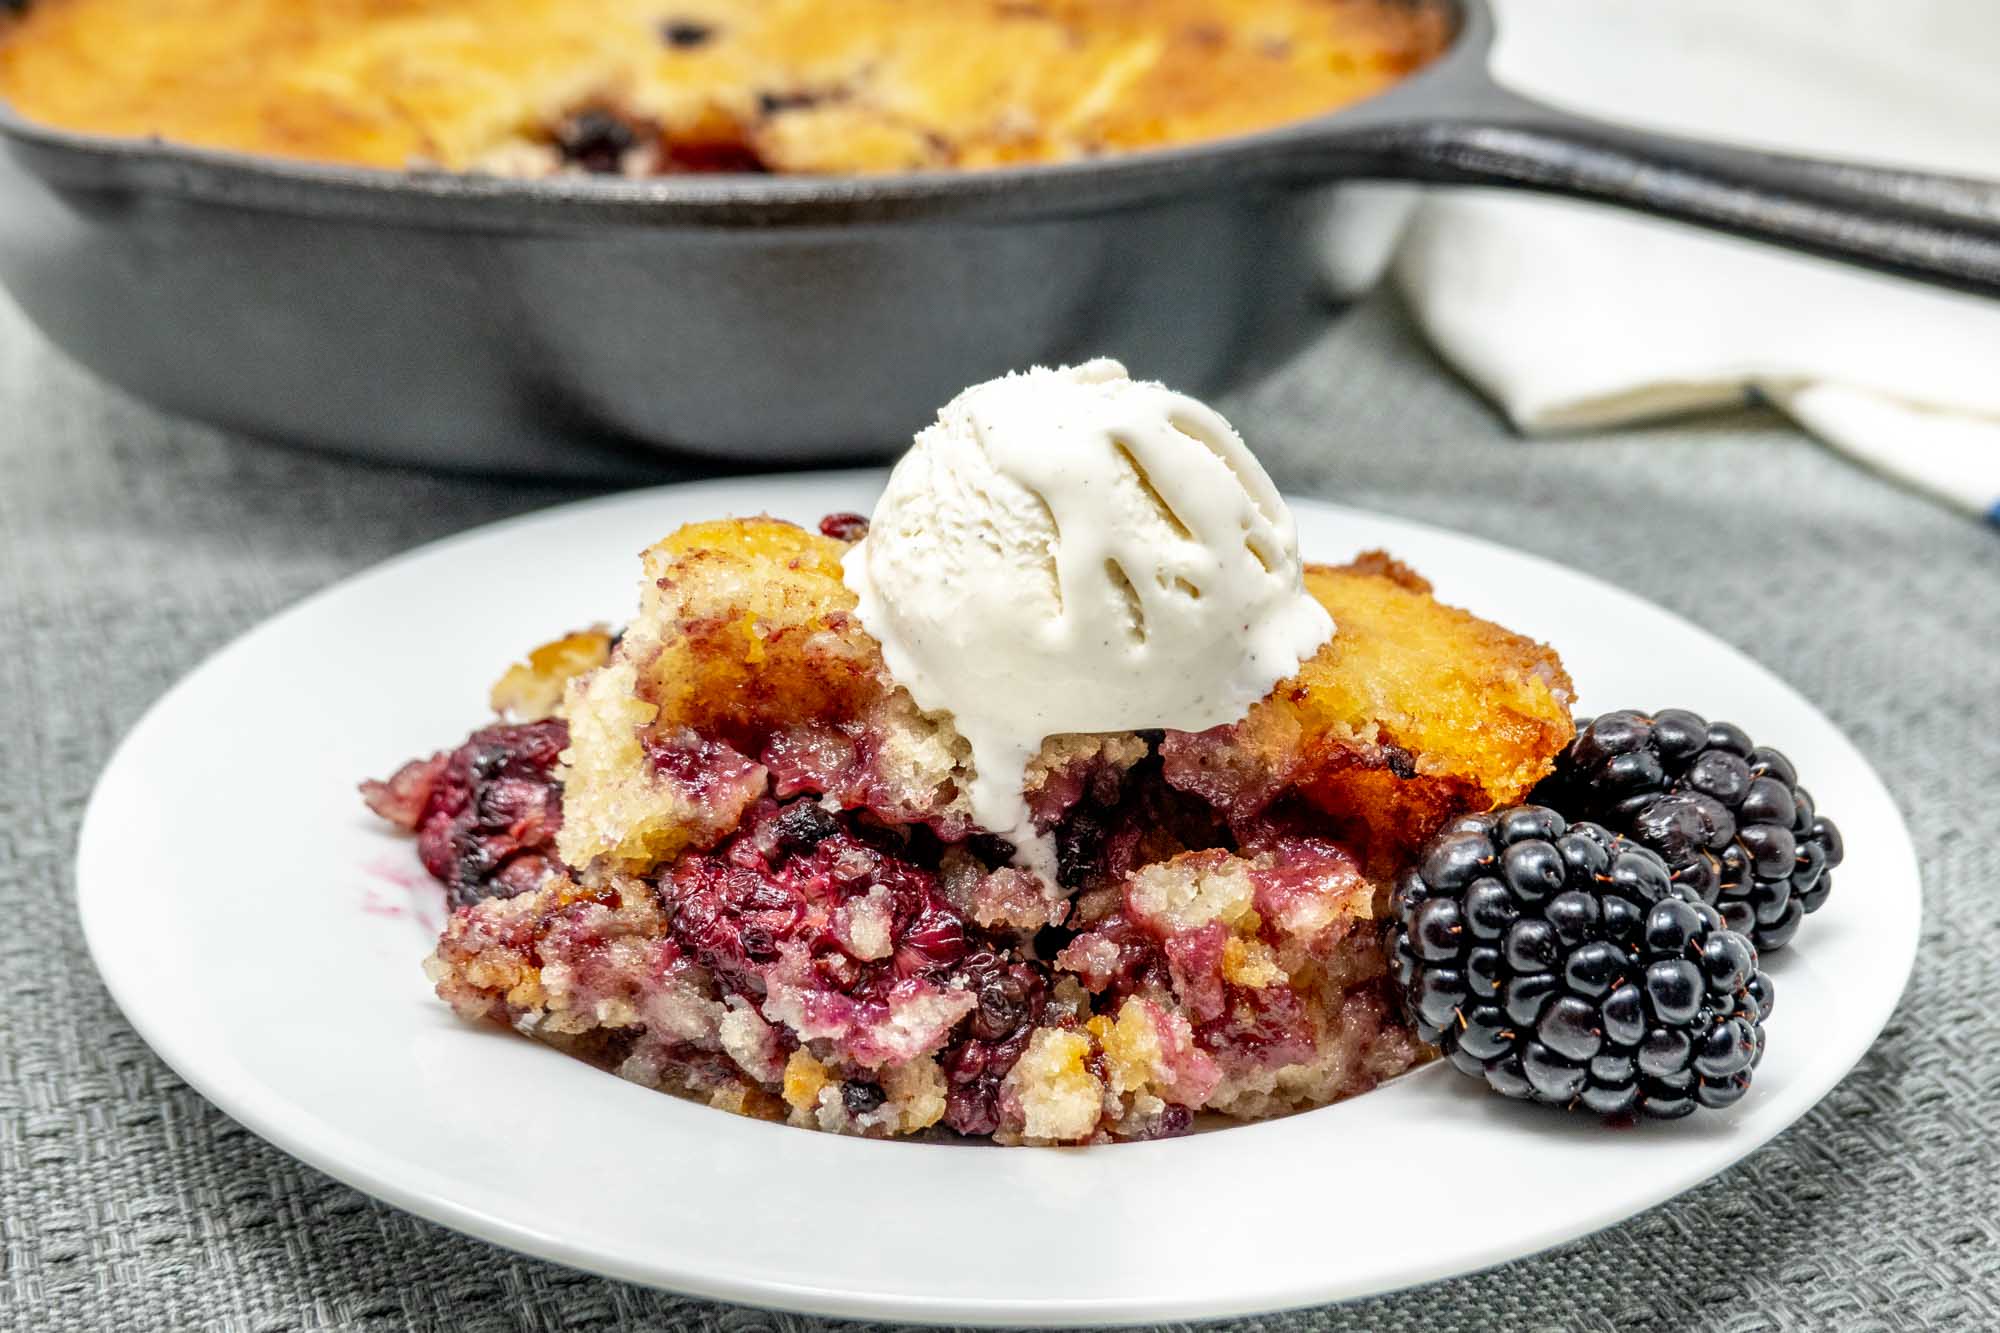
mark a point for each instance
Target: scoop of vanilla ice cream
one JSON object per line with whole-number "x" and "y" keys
{"x": 1077, "y": 551}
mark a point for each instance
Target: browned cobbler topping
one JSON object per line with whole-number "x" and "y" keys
{"x": 632, "y": 87}
{"x": 752, "y": 877}
{"x": 532, "y": 690}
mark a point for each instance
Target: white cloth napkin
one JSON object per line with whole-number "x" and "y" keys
{"x": 1573, "y": 315}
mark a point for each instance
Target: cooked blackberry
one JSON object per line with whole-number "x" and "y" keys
{"x": 804, "y": 825}
{"x": 686, "y": 34}
{"x": 597, "y": 140}
{"x": 771, "y": 104}
{"x": 1562, "y": 964}
{"x": 1727, "y": 814}
{"x": 485, "y": 814}
{"x": 861, "y": 1097}
{"x": 844, "y": 527}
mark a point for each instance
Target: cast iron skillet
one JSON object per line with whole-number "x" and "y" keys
{"x": 595, "y": 324}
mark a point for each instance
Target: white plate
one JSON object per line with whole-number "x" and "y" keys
{"x": 264, "y": 933}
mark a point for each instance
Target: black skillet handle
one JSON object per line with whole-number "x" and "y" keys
{"x": 1454, "y": 124}
{"x": 1940, "y": 229}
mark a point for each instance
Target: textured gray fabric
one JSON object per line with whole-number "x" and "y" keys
{"x": 132, "y": 546}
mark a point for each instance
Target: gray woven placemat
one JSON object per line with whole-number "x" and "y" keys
{"x": 131, "y": 546}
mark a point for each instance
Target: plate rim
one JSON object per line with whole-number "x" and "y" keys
{"x": 228, "y": 1086}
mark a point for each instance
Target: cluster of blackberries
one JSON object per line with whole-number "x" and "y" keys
{"x": 1611, "y": 963}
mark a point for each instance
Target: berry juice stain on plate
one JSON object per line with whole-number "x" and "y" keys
{"x": 416, "y": 896}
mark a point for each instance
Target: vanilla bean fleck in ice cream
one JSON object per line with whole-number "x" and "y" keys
{"x": 1074, "y": 550}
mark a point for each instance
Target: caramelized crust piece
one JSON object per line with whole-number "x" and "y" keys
{"x": 1416, "y": 711}
{"x": 533, "y": 690}
{"x": 1460, "y": 696}
{"x": 745, "y": 624}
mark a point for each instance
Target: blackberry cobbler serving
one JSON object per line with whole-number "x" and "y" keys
{"x": 1060, "y": 803}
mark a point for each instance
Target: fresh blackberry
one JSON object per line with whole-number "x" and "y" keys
{"x": 1560, "y": 963}
{"x": 1728, "y": 815}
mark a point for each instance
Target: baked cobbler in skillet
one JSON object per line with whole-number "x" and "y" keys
{"x": 644, "y": 87}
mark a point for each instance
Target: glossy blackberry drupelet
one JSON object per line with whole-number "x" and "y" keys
{"x": 1728, "y": 815}
{"x": 1560, "y": 963}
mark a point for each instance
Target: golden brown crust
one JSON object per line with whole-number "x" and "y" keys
{"x": 1464, "y": 697}
{"x": 793, "y": 85}
{"x": 533, "y": 689}
{"x": 1416, "y": 711}
{"x": 745, "y": 631}
{"x": 1381, "y": 565}
{"x": 745, "y": 624}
